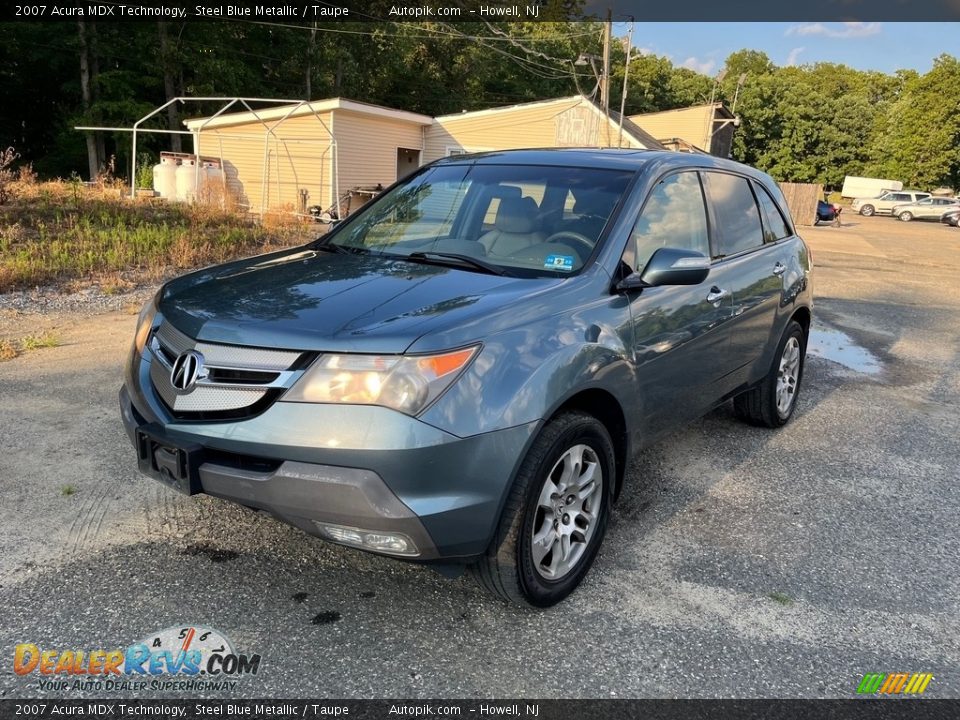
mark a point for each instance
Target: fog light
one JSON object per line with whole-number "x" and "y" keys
{"x": 377, "y": 541}
{"x": 344, "y": 535}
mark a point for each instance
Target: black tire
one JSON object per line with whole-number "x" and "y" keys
{"x": 507, "y": 570}
{"x": 867, "y": 210}
{"x": 758, "y": 405}
{"x": 905, "y": 216}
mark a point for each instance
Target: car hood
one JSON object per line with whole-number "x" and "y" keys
{"x": 309, "y": 300}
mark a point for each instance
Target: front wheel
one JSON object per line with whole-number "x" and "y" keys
{"x": 555, "y": 516}
{"x": 905, "y": 216}
{"x": 867, "y": 210}
{"x": 772, "y": 402}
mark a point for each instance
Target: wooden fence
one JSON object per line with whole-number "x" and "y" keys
{"x": 802, "y": 200}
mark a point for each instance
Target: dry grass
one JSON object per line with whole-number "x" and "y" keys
{"x": 58, "y": 232}
{"x": 8, "y": 351}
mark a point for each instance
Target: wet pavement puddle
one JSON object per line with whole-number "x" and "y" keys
{"x": 840, "y": 348}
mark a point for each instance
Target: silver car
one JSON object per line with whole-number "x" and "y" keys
{"x": 931, "y": 208}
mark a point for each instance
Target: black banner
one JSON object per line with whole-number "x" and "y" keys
{"x": 526, "y": 709}
{"x": 309, "y": 11}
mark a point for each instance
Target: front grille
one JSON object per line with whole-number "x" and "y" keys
{"x": 235, "y": 382}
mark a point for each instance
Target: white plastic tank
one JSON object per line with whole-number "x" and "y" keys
{"x": 165, "y": 178}
{"x": 211, "y": 182}
{"x": 187, "y": 180}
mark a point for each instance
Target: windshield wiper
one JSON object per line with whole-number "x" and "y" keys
{"x": 459, "y": 259}
{"x": 340, "y": 249}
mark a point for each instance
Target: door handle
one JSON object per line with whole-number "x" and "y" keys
{"x": 779, "y": 269}
{"x": 716, "y": 295}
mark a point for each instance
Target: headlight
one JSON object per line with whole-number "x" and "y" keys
{"x": 407, "y": 383}
{"x": 145, "y": 323}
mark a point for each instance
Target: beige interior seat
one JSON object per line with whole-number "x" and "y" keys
{"x": 517, "y": 226}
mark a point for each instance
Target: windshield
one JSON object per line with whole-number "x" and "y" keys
{"x": 526, "y": 220}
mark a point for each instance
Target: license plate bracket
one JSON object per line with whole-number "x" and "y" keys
{"x": 173, "y": 463}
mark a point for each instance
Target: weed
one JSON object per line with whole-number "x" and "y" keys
{"x": 145, "y": 172}
{"x": 35, "y": 342}
{"x": 781, "y": 598}
{"x": 7, "y": 158}
{"x": 26, "y": 175}
{"x": 67, "y": 490}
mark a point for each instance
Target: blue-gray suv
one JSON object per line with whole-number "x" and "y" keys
{"x": 459, "y": 373}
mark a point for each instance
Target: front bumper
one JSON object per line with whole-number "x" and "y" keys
{"x": 354, "y": 466}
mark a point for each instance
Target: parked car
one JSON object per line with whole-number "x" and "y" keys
{"x": 951, "y": 217}
{"x": 931, "y": 208}
{"x": 828, "y": 212}
{"x": 414, "y": 385}
{"x": 884, "y": 204}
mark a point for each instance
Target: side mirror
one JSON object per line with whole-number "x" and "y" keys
{"x": 669, "y": 266}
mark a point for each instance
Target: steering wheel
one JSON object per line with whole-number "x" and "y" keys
{"x": 585, "y": 243}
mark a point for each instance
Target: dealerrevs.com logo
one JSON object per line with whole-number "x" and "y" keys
{"x": 190, "y": 657}
{"x": 894, "y": 683}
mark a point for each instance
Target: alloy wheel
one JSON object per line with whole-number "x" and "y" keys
{"x": 567, "y": 513}
{"x": 788, "y": 376}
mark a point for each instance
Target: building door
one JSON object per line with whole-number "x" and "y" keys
{"x": 407, "y": 161}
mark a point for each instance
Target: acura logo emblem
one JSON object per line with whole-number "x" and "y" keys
{"x": 186, "y": 370}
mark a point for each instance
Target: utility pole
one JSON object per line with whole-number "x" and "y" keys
{"x": 605, "y": 77}
{"x": 626, "y": 74}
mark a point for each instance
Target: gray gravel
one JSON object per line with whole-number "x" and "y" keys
{"x": 740, "y": 562}
{"x": 49, "y": 300}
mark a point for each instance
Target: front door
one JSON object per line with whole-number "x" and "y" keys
{"x": 407, "y": 161}
{"x": 680, "y": 343}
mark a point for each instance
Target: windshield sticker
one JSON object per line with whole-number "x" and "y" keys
{"x": 559, "y": 262}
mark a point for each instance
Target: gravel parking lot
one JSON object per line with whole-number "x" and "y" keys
{"x": 740, "y": 562}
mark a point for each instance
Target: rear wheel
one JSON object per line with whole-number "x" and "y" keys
{"x": 555, "y": 516}
{"x": 867, "y": 210}
{"x": 772, "y": 402}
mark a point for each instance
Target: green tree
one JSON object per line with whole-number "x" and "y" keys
{"x": 918, "y": 138}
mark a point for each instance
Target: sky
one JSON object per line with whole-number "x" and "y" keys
{"x": 863, "y": 45}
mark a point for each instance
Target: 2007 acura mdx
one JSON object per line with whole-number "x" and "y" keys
{"x": 459, "y": 373}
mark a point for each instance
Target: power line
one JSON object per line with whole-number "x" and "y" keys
{"x": 381, "y": 34}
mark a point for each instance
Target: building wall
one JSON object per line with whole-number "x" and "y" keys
{"x": 367, "y": 149}
{"x": 561, "y": 123}
{"x": 690, "y": 124}
{"x": 298, "y": 155}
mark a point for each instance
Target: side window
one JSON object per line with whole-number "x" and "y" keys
{"x": 774, "y": 226}
{"x": 738, "y": 218}
{"x": 673, "y": 216}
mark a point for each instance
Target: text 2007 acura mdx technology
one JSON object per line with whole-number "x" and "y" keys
{"x": 459, "y": 373}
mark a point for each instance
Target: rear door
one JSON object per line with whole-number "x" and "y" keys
{"x": 887, "y": 203}
{"x": 749, "y": 264}
{"x": 938, "y": 206}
